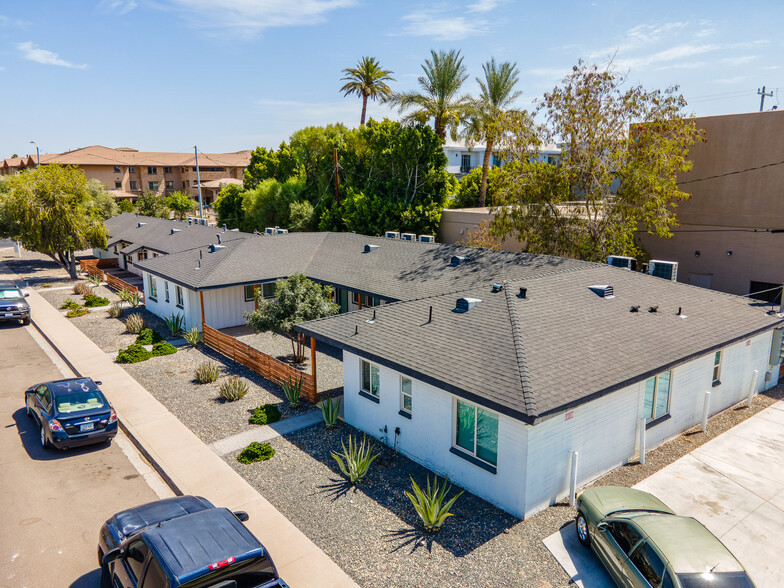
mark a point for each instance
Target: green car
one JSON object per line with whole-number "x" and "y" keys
{"x": 644, "y": 544}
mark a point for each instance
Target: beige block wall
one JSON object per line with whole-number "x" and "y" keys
{"x": 456, "y": 223}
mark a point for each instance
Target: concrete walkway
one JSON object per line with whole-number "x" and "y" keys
{"x": 183, "y": 459}
{"x": 264, "y": 433}
{"x": 733, "y": 484}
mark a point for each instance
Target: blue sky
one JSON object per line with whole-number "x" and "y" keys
{"x": 225, "y": 75}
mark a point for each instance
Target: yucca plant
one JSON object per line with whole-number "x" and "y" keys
{"x": 429, "y": 503}
{"x": 134, "y": 323}
{"x": 355, "y": 460}
{"x": 81, "y": 288}
{"x": 175, "y": 323}
{"x": 233, "y": 389}
{"x": 207, "y": 372}
{"x": 330, "y": 409}
{"x": 94, "y": 280}
{"x": 130, "y": 297}
{"x": 292, "y": 391}
{"x": 192, "y": 336}
{"x": 116, "y": 310}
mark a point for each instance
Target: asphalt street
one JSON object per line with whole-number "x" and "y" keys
{"x": 53, "y": 503}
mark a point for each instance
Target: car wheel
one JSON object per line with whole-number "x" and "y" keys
{"x": 44, "y": 441}
{"x": 106, "y": 582}
{"x": 26, "y": 321}
{"x": 582, "y": 529}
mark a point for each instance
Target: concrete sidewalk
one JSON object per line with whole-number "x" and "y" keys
{"x": 190, "y": 466}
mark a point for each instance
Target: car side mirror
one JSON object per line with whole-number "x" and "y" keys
{"x": 601, "y": 527}
{"x": 112, "y": 555}
{"x": 98, "y": 382}
{"x": 241, "y": 515}
{"x": 27, "y": 294}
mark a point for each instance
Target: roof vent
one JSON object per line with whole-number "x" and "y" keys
{"x": 407, "y": 236}
{"x": 369, "y": 248}
{"x": 224, "y": 227}
{"x": 653, "y": 309}
{"x": 175, "y": 231}
{"x": 458, "y": 259}
{"x": 523, "y": 292}
{"x": 281, "y": 231}
{"x": 635, "y": 308}
{"x": 497, "y": 287}
{"x": 139, "y": 225}
{"x": 392, "y": 235}
{"x": 269, "y": 231}
{"x": 216, "y": 247}
{"x": 602, "y": 291}
{"x": 219, "y": 239}
{"x": 466, "y": 304}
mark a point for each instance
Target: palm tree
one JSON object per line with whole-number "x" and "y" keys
{"x": 444, "y": 75}
{"x": 497, "y": 95}
{"x": 367, "y": 80}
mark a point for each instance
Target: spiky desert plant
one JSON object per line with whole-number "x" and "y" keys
{"x": 356, "y": 459}
{"x": 116, "y": 310}
{"x": 95, "y": 281}
{"x": 429, "y": 503}
{"x": 191, "y": 336}
{"x": 207, "y": 372}
{"x": 233, "y": 389}
{"x": 175, "y": 323}
{"x": 130, "y": 297}
{"x": 330, "y": 410}
{"x": 292, "y": 390}
{"x": 134, "y": 323}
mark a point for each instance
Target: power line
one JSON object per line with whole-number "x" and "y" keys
{"x": 739, "y": 171}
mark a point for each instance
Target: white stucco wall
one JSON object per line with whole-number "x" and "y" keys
{"x": 190, "y": 310}
{"x": 103, "y": 254}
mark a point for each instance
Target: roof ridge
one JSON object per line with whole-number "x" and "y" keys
{"x": 522, "y": 364}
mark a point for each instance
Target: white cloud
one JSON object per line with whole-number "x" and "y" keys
{"x": 118, "y": 6}
{"x": 741, "y": 60}
{"x": 294, "y": 114}
{"x": 436, "y": 23}
{"x": 6, "y": 21}
{"x": 770, "y": 67}
{"x": 636, "y": 38}
{"x": 484, "y": 5}
{"x": 32, "y": 52}
{"x": 673, "y": 54}
{"x": 734, "y": 80}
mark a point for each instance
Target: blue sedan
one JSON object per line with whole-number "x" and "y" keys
{"x": 71, "y": 413}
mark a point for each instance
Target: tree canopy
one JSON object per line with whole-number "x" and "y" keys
{"x": 181, "y": 204}
{"x": 367, "y": 80}
{"x": 150, "y": 204}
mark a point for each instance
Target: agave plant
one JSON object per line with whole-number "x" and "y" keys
{"x": 130, "y": 297}
{"x": 429, "y": 503}
{"x": 207, "y": 372}
{"x": 292, "y": 390}
{"x": 175, "y": 323}
{"x": 94, "y": 280}
{"x": 330, "y": 409}
{"x": 192, "y": 336}
{"x": 355, "y": 460}
{"x": 233, "y": 389}
{"x": 116, "y": 310}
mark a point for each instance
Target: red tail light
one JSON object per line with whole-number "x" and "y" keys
{"x": 113, "y": 417}
{"x": 222, "y": 564}
{"x": 54, "y": 425}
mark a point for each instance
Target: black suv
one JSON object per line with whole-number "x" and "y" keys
{"x": 13, "y": 306}
{"x": 183, "y": 541}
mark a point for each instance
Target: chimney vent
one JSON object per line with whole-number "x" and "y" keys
{"x": 523, "y": 292}
{"x": 466, "y": 304}
{"x": 458, "y": 259}
{"x": 369, "y": 248}
{"x": 140, "y": 225}
{"x": 635, "y": 308}
{"x": 653, "y": 309}
{"x": 603, "y": 291}
{"x": 175, "y": 231}
{"x": 219, "y": 239}
{"x": 224, "y": 227}
{"x": 497, "y": 287}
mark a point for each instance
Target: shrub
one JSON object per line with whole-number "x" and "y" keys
{"x": 175, "y": 323}
{"x": 148, "y": 337}
{"x": 355, "y": 461}
{"x": 264, "y": 415}
{"x": 94, "y": 280}
{"x": 256, "y": 452}
{"x": 207, "y": 372}
{"x": 116, "y": 310}
{"x": 429, "y": 504}
{"x": 134, "y": 354}
{"x": 134, "y": 323}
{"x": 292, "y": 392}
{"x": 131, "y": 298}
{"x": 68, "y": 304}
{"x": 81, "y": 288}
{"x": 330, "y": 409}
{"x": 163, "y": 348}
{"x": 233, "y": 389}
{"x": 78, "y": 311}
{"x": 46, "y": 285}
{"x": 192, "y": 337}
{"x": 93, "y": 300}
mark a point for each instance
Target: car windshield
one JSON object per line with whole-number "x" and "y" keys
{"x": 716, "y": 580}
{"x": 77, "y": 401}
{"x": 10, "y": 293}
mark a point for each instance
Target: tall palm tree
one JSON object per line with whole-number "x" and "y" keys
{"x": 444, "y": 75}
{"x": 367, "y": 80}
{"x": 497, "y": 95}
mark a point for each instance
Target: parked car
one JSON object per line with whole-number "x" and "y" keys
{"x": 642, "y": 543}
{"x": 183, "y": 541}
{"x": 71, "y": 413}
{"x": 13, "y": 306}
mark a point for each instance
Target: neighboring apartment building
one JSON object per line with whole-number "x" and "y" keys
{"x": 462, "y": 159}
{"x": 129, "y": 173}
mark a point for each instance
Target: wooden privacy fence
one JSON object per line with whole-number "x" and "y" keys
{"x": 93, "y": 267}
{"x": 265, "y": 365}
{"x": 119, "y": 284}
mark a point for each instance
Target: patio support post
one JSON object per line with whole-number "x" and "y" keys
{"x": 201, "y": 299}
{"x": 573, "y": 479}
{"x": 313, "y": 364}
{"x": 256, "y": 296}
{"x": 705, "y": 411}
{"x": 642, "y": 441}
{"x": 752, "y": 387}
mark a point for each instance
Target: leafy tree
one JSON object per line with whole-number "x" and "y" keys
{"x": 485, "y": 113}
{"x": 180, "y": 203}
{"x": 269, "y": 204}
{"x": 367, "y": 80}
{"x": 631, "y": 139}
{"x": 314, "y": 148}
{"x": 52, "y": 210}
{"x": 470, "y": 186}
{"x": 265, "y": 164}
{"x": 102, "y": 199}
{"x": 439, "y": 98}
{"x": 481, "y": 236}
{"x": 301, "y": 216}
{"x": 149, "y": 204}
{"x": 228, "y": 206}
{"x": 297, "y": 299}
{"x": 126, "y": 205}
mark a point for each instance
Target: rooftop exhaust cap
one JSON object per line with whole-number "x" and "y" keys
{"x": 369, "y": 248}
{"x": 458, "y": 259}
{"x": 216, "y": 247}
{"x": 175, "y": 231}
{"x": 523, "y": 292}
{"x": 139, "y": 225}
{"x": 603, "y": 291}
{"x": 466, "y": 304}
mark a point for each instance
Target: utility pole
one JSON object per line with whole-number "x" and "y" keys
{"x": 337, "y": 179}
{"x": 38, "y": 153}
{"x": 198, "y": 182}
{"x": 763, "y": 94}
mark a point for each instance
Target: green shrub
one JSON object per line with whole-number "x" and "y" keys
{"x": 134, "y": 323}
{"x": 192, "y": 337}
{"x": 94, "y": 280}
{"x": 93, "y": 300}
{"x": 148, "y": 337}
{"x": 292, "y": 392}
{"x": 116, "y": 310}
{"x": 233, "y": 389}
{"x": 131, "y": 298}
{"x": 46, "y": 285}
{"x": 81, "y": 288}
{"x": 134, "y": 354}
{"x": 264, "y": 415}
{"x": 256, "y": 452}
{"x": 175, "y": 323}
{"x": 78, "y": 311}
{"x": 163, "y": 348}
{"x": 330, "y": 409}
{"x": 429, "y": 504}
{"x": 69, "y": 303}
{"x": 355, "y": 460}
{"x": 207, "y": 372}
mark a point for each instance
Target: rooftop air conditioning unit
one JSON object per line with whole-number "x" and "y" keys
{"x": 392, "y": 235}
{"x": 281, "y": 231}
{"x": 663, "y": 269}
{"x": 269, "y": 231}
{"x": 427, "y": 239}
{"x": 628, "y": 263}
{"x": 408, "y": 236}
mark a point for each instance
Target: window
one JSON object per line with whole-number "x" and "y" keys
{"x": 476, "y": 431}
{"x": 170, "y": 184}
{"x": 716, "y": 368}
{"x": 355, "y": 297}
{"x": 166, "y": 289}
{"x": 250, "y": 294}
{"x": 134, "y": 557}
{"x": 142, "y": 255}
{"x": 178, "y": 293}
{"x": 153, "y": 186}
{"x": 133, "y": 185}
{"x": 117, "y": 169}
{"x": 626, "y": 536}
{"x": 465, "y": 164}
{"x": 268, "y": 290}
{"x": 370, "y": 380}
{"x": 152, "y": 286}
{"x": 167, "y": 170}
{"x": 152, "y": 170}
{"x": 406, "y": 403}
{"x": 369, "y": 301}
{"x": 117, "y": 185}
{"x": 657, "y": 396}
{"x": 649, "y": 563}
{"x": 132, "y": 169}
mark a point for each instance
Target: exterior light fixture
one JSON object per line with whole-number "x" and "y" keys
{"x": 697, "y": 253}
{"x": 729, "y": 252}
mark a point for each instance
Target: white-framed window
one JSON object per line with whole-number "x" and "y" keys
{"x": 369, "y": 378}
{"x": 152, "y": 286}
{"x": 406, "y": 398}
{"x": 178, "y": 294}
{"x": 142, "y": 255}
{"x": 717, "y": 368}
{"x": 166, "y": 289}
{"x": 268, "y": 290}
{"x": 355, "y": 298}
{"x": 657, "y": 396}
{"x": 476, "y": 431}
{"x": 250, "y": 293}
